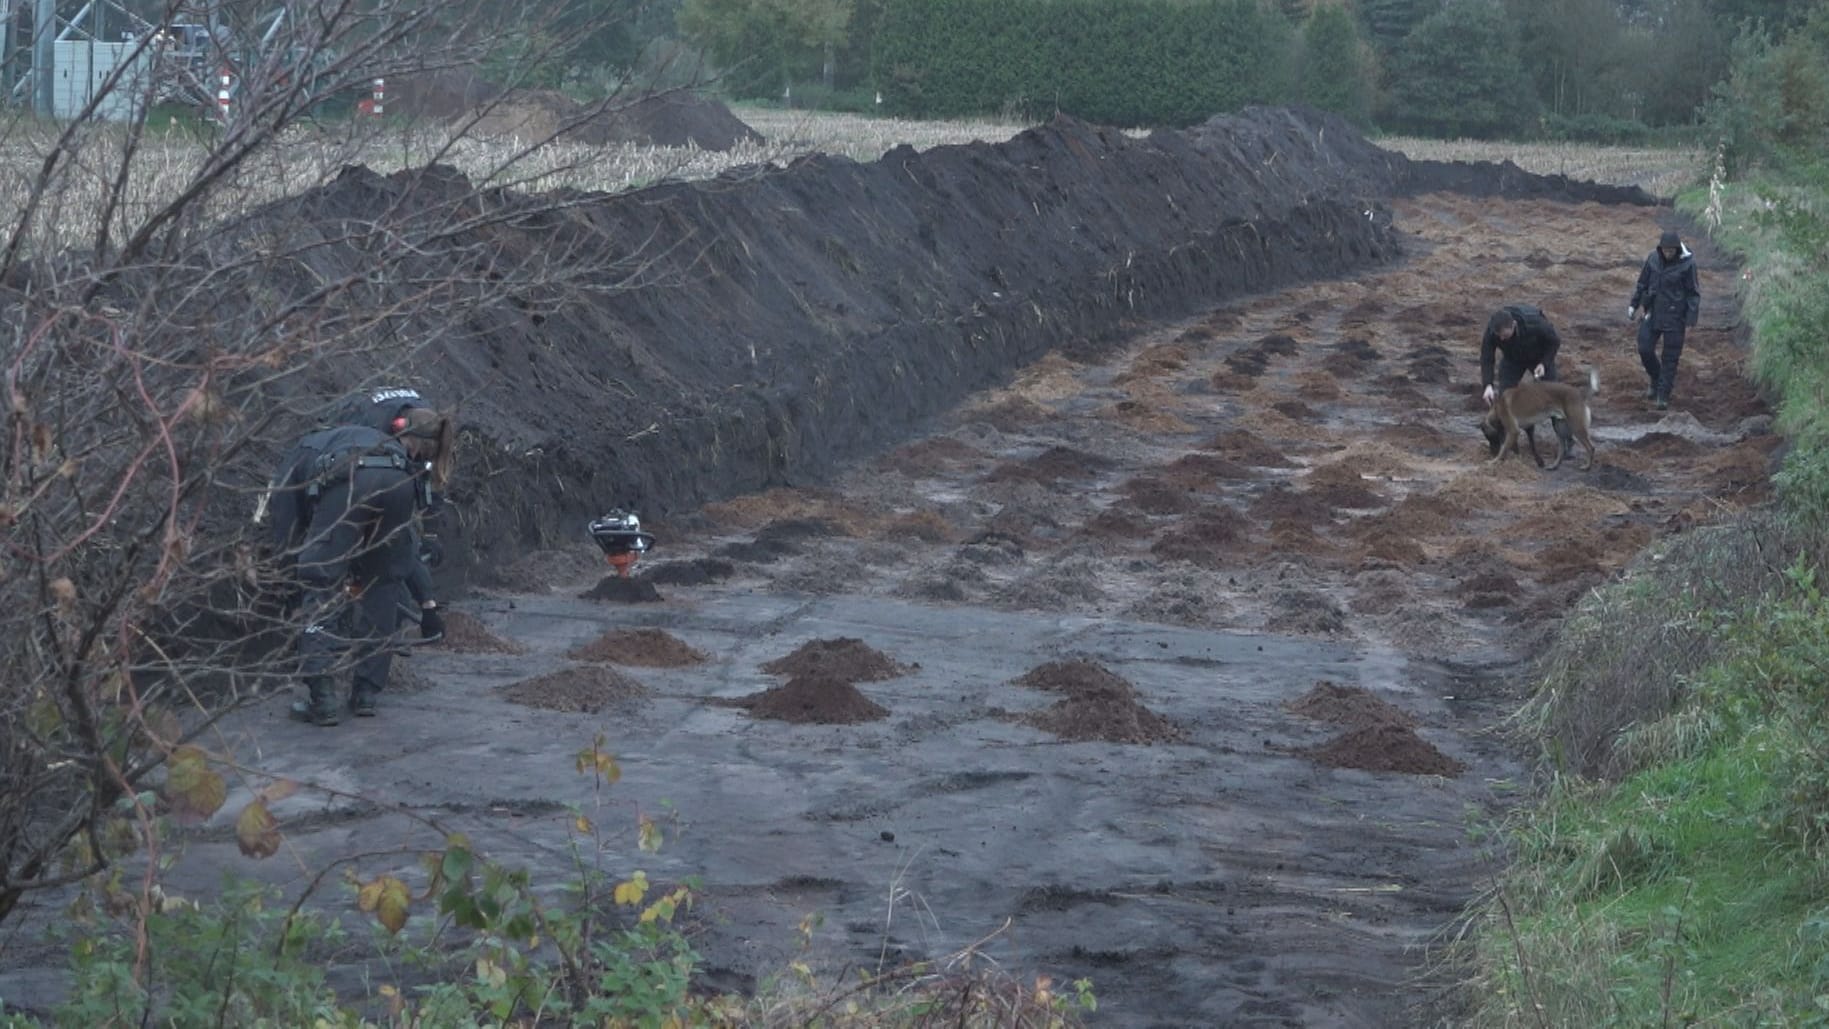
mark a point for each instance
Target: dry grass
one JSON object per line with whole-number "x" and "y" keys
{"x": 1659, "y": 171}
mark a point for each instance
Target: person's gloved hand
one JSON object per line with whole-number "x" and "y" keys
{"x": 1631, "y": 313}
{"x": 1489, "y": 394}
{"x": 431, "y": 551}
{"x": 1537, "y": 372}
{"x": 431, "y": 624}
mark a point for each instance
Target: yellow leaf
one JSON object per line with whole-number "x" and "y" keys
{"x": 582, "y": 825}
{"x": 391, "y": 909}
{"x": 256, "y": 831}
{"x": 649, "y": 839}
{"x": 490, "y": 973}
{"x": 194, "y": 791}
{"x": 369, "y": 897}
{"x": 631, "y": 892}
{"x": 278, "y": 790}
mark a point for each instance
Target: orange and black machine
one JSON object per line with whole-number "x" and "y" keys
{"x": 620, "y": 535}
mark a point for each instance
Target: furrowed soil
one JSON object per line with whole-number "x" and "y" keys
{"x": 1154, "y": 626}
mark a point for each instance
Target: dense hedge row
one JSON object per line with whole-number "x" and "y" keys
{"x": 1152, "y": 62}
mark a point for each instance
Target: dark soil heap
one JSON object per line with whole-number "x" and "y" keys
{"x": 648, "y": 648}
{"x": 1385, "y": 747}
{"x": 1348, "y": 705}
{"x": 845, "y": 659}
{"x": 618, "y": 589}
{"x": 580, "y": 689}
{"x": 464, "y": 634}
{"x": 1098, "y": 704}
{"x": 817, "y": 699}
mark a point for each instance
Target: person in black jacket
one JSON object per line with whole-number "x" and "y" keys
{"x": 342, "y": 510}
{"x": 1665, "y": 304}
{"x": 1525, "y": 343}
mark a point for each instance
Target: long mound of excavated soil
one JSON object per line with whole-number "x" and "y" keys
{"x": 845, "y": 659}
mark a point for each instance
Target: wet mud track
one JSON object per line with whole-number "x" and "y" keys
{"x": 1286, "y": 491}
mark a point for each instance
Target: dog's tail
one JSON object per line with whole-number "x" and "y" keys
{"x": 1593, "y": 389}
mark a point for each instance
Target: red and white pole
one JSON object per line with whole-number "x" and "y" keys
{"x": 380, "y": 94}
{"x": 222, "y": 94}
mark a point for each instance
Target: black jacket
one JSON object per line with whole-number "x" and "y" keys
{"x": 319, "y": 458}
{"x": 1532, "y": 343}
{"x": 1667, "y": 292}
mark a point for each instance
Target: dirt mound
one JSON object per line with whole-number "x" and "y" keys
{"x": 465, "y": 634}
{"x": 1209, "y": 539}
{"x": 1155, "y": 496}
{"x": 1665, "y": 444}
{"x": 933, "y": 456}
{"x": 1049, "y": 466}
{"x": 846, "y": 659}
{"x": 615, "y": 589}
{"x": 926, "y": 526}
{"x": 1243, "y": 446}
{"x": 580, "y": 689}
{"x": 1301, "y": 507}
{"x": 674, "y": 119}
{"x": 1348, "y": 705}
{"x": 697, "y": 571}
{"x": 1010, "y": 414}
{"x": 402, "y": 677}
{"x": 648, "y": 648}
{"x": 1077, "y": 677}
{"x": 1385, "y": 747}
{"x": 1097, "y": 704}
{"x": 1350, "y": 496}
{"x": 813, "y": 699}
{"x": 1197, "y": 471}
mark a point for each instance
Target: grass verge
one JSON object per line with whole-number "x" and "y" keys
{"x": 1674, "y": 872}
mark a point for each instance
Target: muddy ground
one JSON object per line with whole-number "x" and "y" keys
{"x": 1287, "y": 594}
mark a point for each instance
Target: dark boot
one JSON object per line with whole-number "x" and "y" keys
{"x": 1651, "y": 391}
{"x": 362, "y": 700}
{"x": 321, "y": 708}
{"x": 1663, "y": 401}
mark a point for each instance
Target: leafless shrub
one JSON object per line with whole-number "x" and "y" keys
{"x": 166, "y": 325}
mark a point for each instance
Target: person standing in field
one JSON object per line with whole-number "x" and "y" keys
{"x": 1665, "y": 305}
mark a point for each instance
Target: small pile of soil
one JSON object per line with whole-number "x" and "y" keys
{"x": 1296, "y": 409}
{"x": 926, "y": 526}
{"x": 1154, "y": 362}
{"x": 615, "y": 589}
{"x": 580, "y": 689}
{"x": 1104, "y": 718}
{"x": 698, "y": 571}
{"x": 1277, "y": 344}
{"x": 1204, "y": 540}
{"x": 813, "y": 699}
{"x": 930, "y": 456}
{"x": 1306, "y": 613}
{"x": 464, "y": 634}
{"x": 1385, "y": 747}
{"x": 1098, "y": 704}
{"x": 1154, "y": 496}
{"x": 1245, "y": 448}
{"x": 1348, "y": 705}
{"x": 403, "y": 678}
{"x": 1078, "y": 677}
{"x": 780, "y": 538}
{"x": 1347, "y": 495}
{"x": 845, "y": 659}
{"x": 1665, "y": 444}
{"x": 1198, "y": 470}
{"x": 1148, "y": 415}
{"x": 1230, "y": 381}
{"x": 1357, "y": 352}
{"x": 1011, "y": 414}
{"x": 1051, "y": 465}
{"x": 648, "y": 648}
{"x": 1285, "y": 504}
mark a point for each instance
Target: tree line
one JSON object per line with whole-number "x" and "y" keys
{"x": 1609, "y": 70}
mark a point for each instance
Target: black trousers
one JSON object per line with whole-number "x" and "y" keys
{"x": 1661, "y": 371}
{"x": 359, "y": 542}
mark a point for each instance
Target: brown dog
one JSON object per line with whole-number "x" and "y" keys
{"x": 1529, "y": 404}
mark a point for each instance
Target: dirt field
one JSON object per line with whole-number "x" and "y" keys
{"x": 1176, "y": 663}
